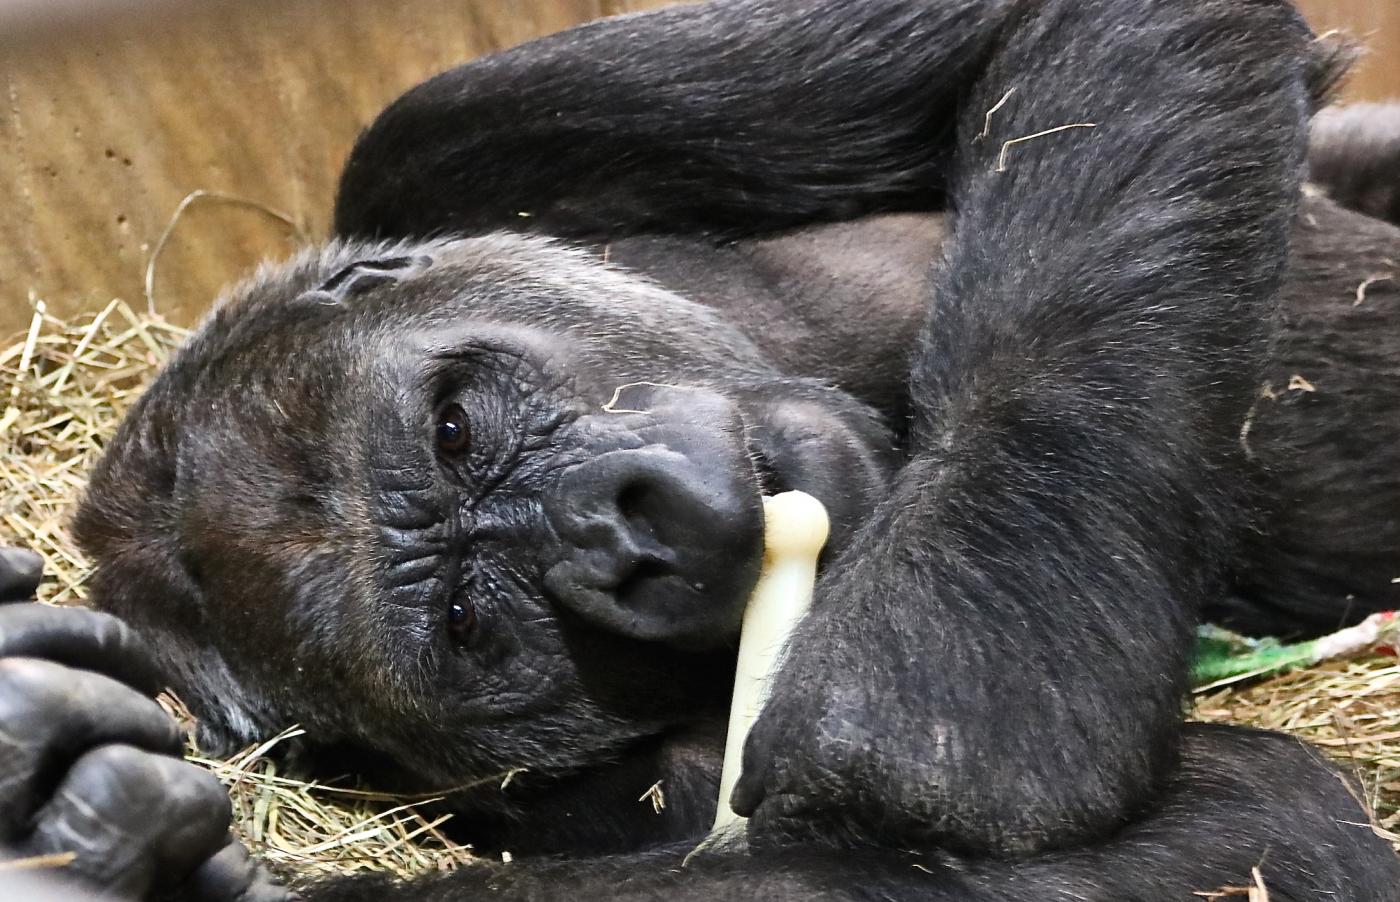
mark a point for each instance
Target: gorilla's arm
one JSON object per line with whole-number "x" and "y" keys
{"x": 740, "y": 116}
{"x": 997, "y": 662}
{"x": 1240, "y": 799}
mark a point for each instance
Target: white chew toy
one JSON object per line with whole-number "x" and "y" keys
{"x": 795, "y": 527}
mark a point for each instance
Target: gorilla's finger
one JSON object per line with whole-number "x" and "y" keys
{"x": 80, "y": 638}
{"x": 136, "y": 821}
{"x": 234, "y": 876}
{"x": 752, "y": 785}
{"x": 51, "y": 714}
{"x": 20, "y": 572}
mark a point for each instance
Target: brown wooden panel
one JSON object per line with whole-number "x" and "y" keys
{"x": 104, "y": 130}
{"x": 1377, "y": 24}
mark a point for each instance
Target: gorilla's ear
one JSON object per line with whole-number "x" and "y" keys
{"x": 149, "y": 590}
{"x": 362, "y": 275}
{"x": 126, "y": 523}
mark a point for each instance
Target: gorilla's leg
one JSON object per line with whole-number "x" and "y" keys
{"x": 1355, "y": 156}
{"x": 996, "y": 663}
{"x": 1324, "y": 436}
{"x": 1240, "y": 800}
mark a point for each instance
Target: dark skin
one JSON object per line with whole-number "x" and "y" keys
{"x": 450, "y": 504}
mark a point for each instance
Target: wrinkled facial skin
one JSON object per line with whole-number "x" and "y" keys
{"x": 462, "y": 506}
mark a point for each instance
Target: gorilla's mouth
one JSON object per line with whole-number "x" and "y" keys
{"x": 765, "y": 473}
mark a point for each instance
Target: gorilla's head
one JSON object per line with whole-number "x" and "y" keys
{"x": 465, "y": 506}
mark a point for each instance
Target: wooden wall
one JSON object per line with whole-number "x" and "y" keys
{"x": 1377, "y": 23}
{"x": 106, "y": 128}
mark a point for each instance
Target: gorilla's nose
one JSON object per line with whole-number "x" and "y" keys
{"x": 661, "y": 542}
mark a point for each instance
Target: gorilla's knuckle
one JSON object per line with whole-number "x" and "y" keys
{"x": 111, "y": 632}
{"x": 202, "y": 792}
{"x": 33, "y": 683}
{"x": 106, "y": 627}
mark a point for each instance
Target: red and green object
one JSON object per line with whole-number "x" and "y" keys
{"x": 1223, "y": 657}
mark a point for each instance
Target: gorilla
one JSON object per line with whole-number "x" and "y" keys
{"x": 475, "y": 489}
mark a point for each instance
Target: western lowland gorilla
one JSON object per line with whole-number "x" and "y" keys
{"x": 383, "y": 492}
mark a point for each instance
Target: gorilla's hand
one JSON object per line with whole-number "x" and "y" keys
{"x": 836, "y": 756}
{"x": 20, "y": 572}
{"x": 90, "y": 773}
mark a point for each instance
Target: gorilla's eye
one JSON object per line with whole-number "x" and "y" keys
{"x": 453, "y": 430}
{"x": 461, "y": 620}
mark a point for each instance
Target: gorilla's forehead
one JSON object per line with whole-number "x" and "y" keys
{"x": 349, "y": 302}
{"x": 323, "y": 345}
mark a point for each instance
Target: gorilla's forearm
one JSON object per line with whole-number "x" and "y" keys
{"x": 1079, "y": 387}
{"x": 733, "y": 116}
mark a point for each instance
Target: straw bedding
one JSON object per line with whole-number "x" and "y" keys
{"x": 64, "y": 386}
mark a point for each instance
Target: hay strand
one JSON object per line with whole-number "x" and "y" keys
{"x": 190, "y": 200}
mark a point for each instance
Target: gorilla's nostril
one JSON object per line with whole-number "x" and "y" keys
{"x": 632, "y": 504}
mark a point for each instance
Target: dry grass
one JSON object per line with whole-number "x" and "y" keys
{"x": 1350, "y": 708}
{"x": 317, "y": 829}
{"x": 65, "y": 386}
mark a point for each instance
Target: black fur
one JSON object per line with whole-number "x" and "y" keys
{"x": 1100, "y": 284}
{"x": 731, "y": 117}
{"x": 1027, "y": 527}
{"x": 1319, "y": 436}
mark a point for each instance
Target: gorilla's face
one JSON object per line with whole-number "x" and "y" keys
{"x": 469, "y": 505}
